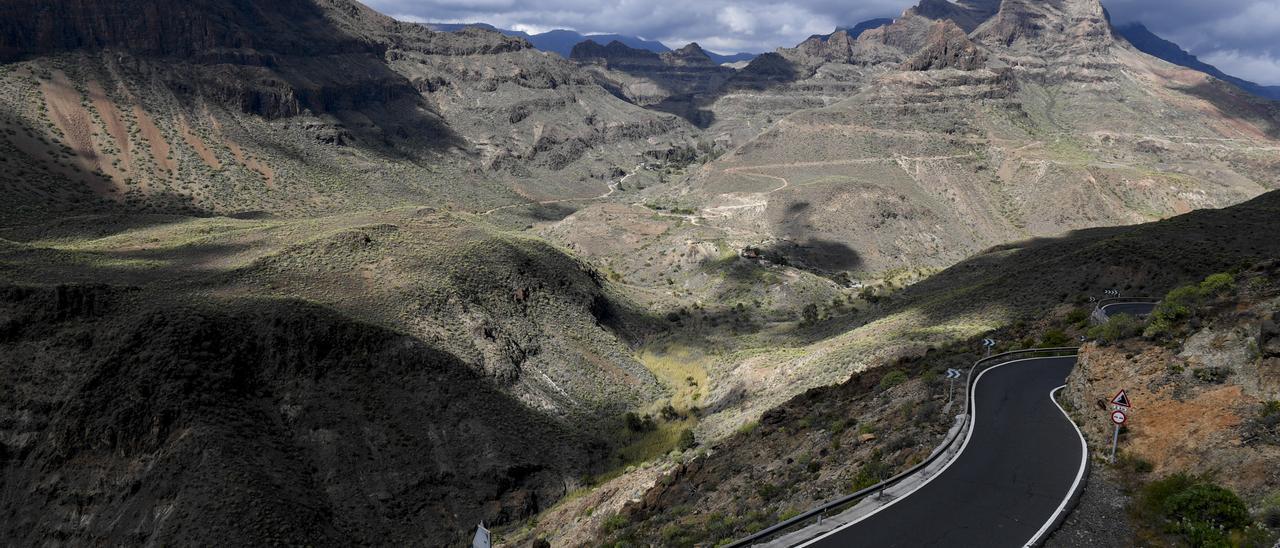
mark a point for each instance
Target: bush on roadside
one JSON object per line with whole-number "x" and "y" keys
{"x": 1117, "y": 328}
{"x": 1200, "y": 512}
{"x": 872, "y": 472}
{"x": 1054, "y": 338}
{"x": 892, "y": 379}
{"x": 1182, "y": 303}
{"x": 1218, "y": 284}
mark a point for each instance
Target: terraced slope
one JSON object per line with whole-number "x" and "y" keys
{"x": 957, "y": 128}
{"x": 296, "y": 108}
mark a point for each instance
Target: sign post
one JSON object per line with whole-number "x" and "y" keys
{"x": 989, "y": 343}
{"x": 952, "y": 374}
{"x": 1119, "y": 417}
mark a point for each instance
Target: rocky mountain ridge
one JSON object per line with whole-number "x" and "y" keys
{"x": 910, "y": 127}
{"x": 1147, "y": 41}
{"x": 429, "y": 105}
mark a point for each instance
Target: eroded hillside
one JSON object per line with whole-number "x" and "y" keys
{"x": 439, "y": 278}
{"x": 962, "y": 126}
{"x": 295, "y": 108}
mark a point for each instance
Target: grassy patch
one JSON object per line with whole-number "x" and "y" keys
{"x": 681, "y": 368}
{"x": 650, "y": 445}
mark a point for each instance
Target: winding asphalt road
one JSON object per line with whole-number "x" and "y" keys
{"x": 1018, "y": 467}
{"x": 1132, "y": 309}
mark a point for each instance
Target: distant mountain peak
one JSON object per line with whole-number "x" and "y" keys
{"x": 855, "y": 31}
{"x": 1151, "y": 44}
{"x": 613, "y": 52}
{"x": 690, "y": 55}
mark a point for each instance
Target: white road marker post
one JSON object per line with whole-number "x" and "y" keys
{"x": 952, "y": 374}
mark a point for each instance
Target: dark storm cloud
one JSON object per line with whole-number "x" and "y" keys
{"x": 720, "y": 25}
{"x": 1240, "y": 36}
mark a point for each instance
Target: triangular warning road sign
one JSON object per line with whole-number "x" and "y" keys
{"x": 1121, "y": 399}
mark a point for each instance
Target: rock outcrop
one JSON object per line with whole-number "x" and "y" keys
{"x": 947, "y": 47}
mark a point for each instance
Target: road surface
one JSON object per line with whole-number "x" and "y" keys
{"x": 1018, "y": 467}
{"x": 1132, "y": 309}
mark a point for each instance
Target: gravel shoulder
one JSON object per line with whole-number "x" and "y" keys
{"x": 1100, "y": 518}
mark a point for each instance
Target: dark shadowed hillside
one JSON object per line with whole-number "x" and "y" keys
{"x": 251, "y": 422}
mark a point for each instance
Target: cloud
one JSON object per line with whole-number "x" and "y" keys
{"x": 720, "y": 25}
{"x": 1260, "y": 68}
{"x": 1237, "y": 36}
{"x": 1240, "y": 35}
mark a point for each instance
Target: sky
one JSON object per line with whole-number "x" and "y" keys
{"x": 1241, "y": 37}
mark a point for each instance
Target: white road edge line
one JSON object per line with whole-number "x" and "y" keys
{"x": 973, "y": 424}
{"x": 1084, "y": 462}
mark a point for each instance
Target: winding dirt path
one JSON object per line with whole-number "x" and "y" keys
{"x": 613, "y": 187}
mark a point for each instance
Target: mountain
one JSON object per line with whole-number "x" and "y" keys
{"x": 813, "y": 447}
{"x": 293, "y": 272}
{"x": 562, "y": 41}
{"x": 1151, "y": 44}
{"x": 248, "y": 106}
{"x": 855, "y": 31}
{"x": 962, "y": 125}
{"x": 316, "y": 286}
{"x": 663, "y": 82}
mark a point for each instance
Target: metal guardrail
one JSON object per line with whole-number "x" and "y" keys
{"x": 1098, "y": 316}
{"x": 847, "y": 500}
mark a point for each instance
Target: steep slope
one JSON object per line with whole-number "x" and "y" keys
{"x": 294, "y": 107}
{"x": 254, "y": 423}
{"x": 857, "y": 30}
{"x": 382, "y": 378}
{"x": 1155, "y": 46}
{"x": 961, "y": 126}
{"x": 833, "y": 421}
{"x": 561, "y": 41}
{"x": 666, "y": 82}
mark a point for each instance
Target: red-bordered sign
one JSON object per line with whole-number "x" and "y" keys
{"x": 1121, "y": 399}
{"x": 1118, "y": 417}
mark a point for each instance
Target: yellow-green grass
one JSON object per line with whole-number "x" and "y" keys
{"x": 681, "y": 368}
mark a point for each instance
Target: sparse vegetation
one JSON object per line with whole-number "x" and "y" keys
{"x": 1117, "y": 328}
{"x": 892, "y": 379}
{"x": 1183, "y": 303}
{"x": 1197, "y": 511}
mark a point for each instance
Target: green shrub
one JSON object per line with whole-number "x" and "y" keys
{"x": 1054, "y": 338}
{"x": 613, "y": 523}
{"x": 1117, "y": 328}
{"x": 1177, "y": 306}
{"x": 809, "y": 315}
{"x": 1078, "y": 316}
{"x": 892, "y": 379}
{"x": 874, "y": 471}
{"x": 687, "y": 441}
{"x": 1218, "y": 284}
{"x": 1202, "y": 513}
{"x": 1270, "y": 409}
{"x": 1134, "y": 463}
{"x": 1212, "y": 375}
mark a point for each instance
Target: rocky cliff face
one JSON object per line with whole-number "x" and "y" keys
{"x": 947, "y": 47}
{"x": 668, "y": 82}
{"x": 1199, "y": 404}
